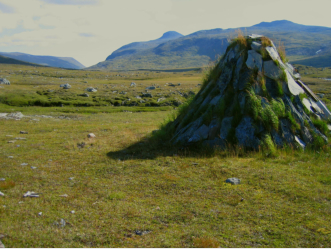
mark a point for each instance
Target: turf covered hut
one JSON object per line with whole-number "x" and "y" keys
{"x": 252, "y": 97}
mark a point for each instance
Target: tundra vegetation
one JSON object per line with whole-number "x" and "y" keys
{"x": 128, "y": 188}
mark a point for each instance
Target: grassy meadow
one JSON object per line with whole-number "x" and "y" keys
{"x": 125, "y": 188}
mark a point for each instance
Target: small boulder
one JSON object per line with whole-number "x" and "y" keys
{"x": 66, "y": 86}
{"x": 4, "y": 81}
{"x": 23, "y": 132}
{"x": 233, "y": 181}
{"x": 150, "y": 88}
{"x": 133, "y": 84}
{"x": 91, "y": 89}
{"x": 91, "y": 135}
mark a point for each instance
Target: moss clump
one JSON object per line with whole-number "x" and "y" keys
{"x": 268, "y": 146}
{"x": 265, "y": 114}
{"x": 278, "y": 107}
{"x": 295, "y": 126}
{"x": 279, "y": 88}
{"x": 320, "y": 125}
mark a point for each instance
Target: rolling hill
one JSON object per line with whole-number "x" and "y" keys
{"x": 51, "y": 61}
{"x": 7, "y": 60}
{"x": 308, "y": 45}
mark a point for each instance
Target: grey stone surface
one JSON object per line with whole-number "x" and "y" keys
{"x": 214, "y": 128}
{"x": 147, "y": 95}
{"x": 293, "y": 110}
{"x": 277, "y": 139}
{"x": 294, "y": 88}
{"x": 239, "y": 65}
{"x": 133, "y": 84}
{"x": 200, "y": 134}
{"x": 242, "y": 101}
{"x": 255, "y": 36}
{"x": 299, "y": 142}
{"x": 225, "y": 127}
{"x": 233, "y": 181}
{"x": 91, "y": 135}
{"x": 66, "y": 86}
{"x": 245, "y": 134}
{"x": 185, "y": 133}
{"x": 2, "y": 194}
{"x": 271, "y": 70}
{"x": 31, "y": 194}
{"x": 150, "y": 88}
{"x": 273, "y": 53}
{"x": 4, "y": 81}
{"x": 307, "y": 137}
{"x": 215, "y": 100}
{"x": 254, "y": 60}
{"x": 256, "y": 46}
{"x": 287, "y": 135}
{"x": 91, "y": 89}
{"x": 225, "y": 78}
{"x": 326, "y": 114}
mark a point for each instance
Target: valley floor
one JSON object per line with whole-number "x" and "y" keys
{"x": 125, "y": 189}
{"x": 120, "y": 189}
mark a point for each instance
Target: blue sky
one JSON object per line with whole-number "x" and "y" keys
{"x": 90, "y": 30}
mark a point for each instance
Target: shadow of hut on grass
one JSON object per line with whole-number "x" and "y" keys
{"x": 152, "y": 148}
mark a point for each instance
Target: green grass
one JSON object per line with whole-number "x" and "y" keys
{"x": 126, "y": 180}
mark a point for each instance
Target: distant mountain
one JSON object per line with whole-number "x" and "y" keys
{"x": 7, "y": 60}
{"x": 136, "y": 47}
{"x": 309, "y": 44}
{"x": 51, "y": 61}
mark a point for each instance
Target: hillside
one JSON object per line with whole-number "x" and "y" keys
{"x": 6, "y": 60}
{"x": 309, "y": 44}
{"x": 51, "y": 61}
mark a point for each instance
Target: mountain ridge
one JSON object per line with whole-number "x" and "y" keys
{"x": 201, "y": 47}
{"x": 45, "y": 60}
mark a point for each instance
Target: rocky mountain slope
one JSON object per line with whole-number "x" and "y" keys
{"x": 51, "y": 61}
{"x": 308, "y": 45}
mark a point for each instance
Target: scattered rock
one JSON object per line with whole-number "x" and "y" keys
{"x": 147, "y": 95}
{"x": 141, "y": 233}
{"x": 65, "y": 195}
{"x": 150, "y": 88}
{"x": 81, "y": 145}
{"x": 11, "y": 141}
{"x": 2, "y": 179}
{"x": 61, "y": 223}
{"x": 71, "y": 178}
{"x": 66, "y": 86}
{"x": 84, "y": 95}
{"x": 23, "y": 132}
{"x": 31, "y": 194}
{"x": 73, "y": 211}
{"x": 11, "y": 157}
{"x": 32, "y": 167}
{"x": 40, "y": 213}
{"x": 233, "y": 181}
{"x": 24, "y": 164}
{"x": 91, "y": 135}
{"x": 2, "y": 194}
{"x": 4, "y": 81}
{"x": 20, "y": 138}
{"x": 91, "y": 89}
{"x": 133, "y": 84}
